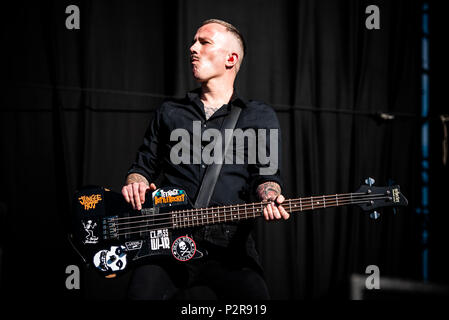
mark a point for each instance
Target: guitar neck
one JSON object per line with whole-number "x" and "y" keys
{"x": 232, "y": 213}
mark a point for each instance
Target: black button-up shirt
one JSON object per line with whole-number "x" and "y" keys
{"x": 237, "y": 182}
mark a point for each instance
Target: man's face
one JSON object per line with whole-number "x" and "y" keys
{"x": 209, "y": 51}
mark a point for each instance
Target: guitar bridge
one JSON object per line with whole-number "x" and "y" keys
{"x": 110, "y": 228}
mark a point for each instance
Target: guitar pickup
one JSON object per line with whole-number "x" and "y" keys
{"x": 110, "y": 228}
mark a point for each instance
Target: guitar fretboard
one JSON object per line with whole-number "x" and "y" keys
{"x": 205, "y": 216}
{"x": 148, "y": 221}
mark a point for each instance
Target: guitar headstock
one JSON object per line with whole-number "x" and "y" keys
{"x": 369, "y": 198}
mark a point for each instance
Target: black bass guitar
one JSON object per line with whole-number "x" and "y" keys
{"x": 108, "y": 234}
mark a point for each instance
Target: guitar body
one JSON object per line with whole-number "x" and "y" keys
{"x": 112, "y": 237}
{"x": 108, "y": 234}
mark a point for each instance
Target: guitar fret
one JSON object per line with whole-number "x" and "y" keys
{"x": 181, "y": 219}
{"x": 188, "y": 218}
{"x": 311, "y": 201}
{"x": 336, "y": 198}
{"x": 324, "y": 202}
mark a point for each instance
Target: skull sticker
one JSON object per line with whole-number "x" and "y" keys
{"x": 113, "y": 259}
{"x": 183, "y": 248}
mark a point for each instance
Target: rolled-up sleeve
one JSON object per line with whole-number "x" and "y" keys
{"x": 148, "y": 155}
{"x": 269, "y": 150}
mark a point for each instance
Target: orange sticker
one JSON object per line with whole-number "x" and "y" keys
{"x": 89, "y": 202}
{"x": 169, "y": 199}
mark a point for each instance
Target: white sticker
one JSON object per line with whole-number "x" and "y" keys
{"x": 89, "y": 227}
{"x": 159, "y": 239}
{"x": 133, "y": 245}
{"x": 113, "y": 259}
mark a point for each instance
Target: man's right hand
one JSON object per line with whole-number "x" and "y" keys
{"x": 135, "y": 189}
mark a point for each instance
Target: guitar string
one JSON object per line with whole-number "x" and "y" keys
{"x": 242, "y": 207}
{"x": 170, "y": 226}
{"x": 188, "y": 222}
{"x": 190, "y": 215}
{"x": 304, "y": 200}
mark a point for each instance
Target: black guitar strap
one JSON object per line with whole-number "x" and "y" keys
{"x": 213, "y": 170}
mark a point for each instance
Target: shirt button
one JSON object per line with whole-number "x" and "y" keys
{"x": 203, "y": 166}
{"x": 204, "y": 125}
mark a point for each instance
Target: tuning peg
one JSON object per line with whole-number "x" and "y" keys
{"x": 369, "y": 181}
{"x": 374, "y": 215}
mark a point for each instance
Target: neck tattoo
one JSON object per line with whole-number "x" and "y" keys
{"x": 210, "y": 110}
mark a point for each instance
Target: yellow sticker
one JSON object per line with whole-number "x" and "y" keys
{"x": 89, "y": 202}
{"x": 169, "y": 199}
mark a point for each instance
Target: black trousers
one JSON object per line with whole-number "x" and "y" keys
{"x": 201, "y": 279}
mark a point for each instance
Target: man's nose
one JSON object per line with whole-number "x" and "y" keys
{"x": 194, "y": 48}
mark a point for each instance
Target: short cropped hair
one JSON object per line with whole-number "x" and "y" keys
{"x": 229, "y": 27}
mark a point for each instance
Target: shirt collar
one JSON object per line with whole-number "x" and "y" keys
{"x": 194, "y": 96}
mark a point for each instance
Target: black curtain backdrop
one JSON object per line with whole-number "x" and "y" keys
{"x": 77, "y": 102}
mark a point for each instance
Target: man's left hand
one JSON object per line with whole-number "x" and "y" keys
{"x": 271, "y": 193}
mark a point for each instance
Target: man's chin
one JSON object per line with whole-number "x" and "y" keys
{"x": 199, "y": 79}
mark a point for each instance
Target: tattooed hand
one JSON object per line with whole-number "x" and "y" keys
{"x": 135, "y": 189}
{"x": 271, "y": 192}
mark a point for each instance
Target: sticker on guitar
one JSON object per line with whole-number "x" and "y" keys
{"x": 159, "y": 239}
{"x": 183, "y": 248}
{"x": 89, "y": 227}
{"x": 89, "y": 202}
{"x": 113, "y": 259}
{"x": 164, "y": 197}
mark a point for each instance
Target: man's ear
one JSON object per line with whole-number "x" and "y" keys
{"x": 232, "y": 60}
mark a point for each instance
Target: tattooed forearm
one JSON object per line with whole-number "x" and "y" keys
{"x": 135, "y": 177}
{"x": 268, "y": 190}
